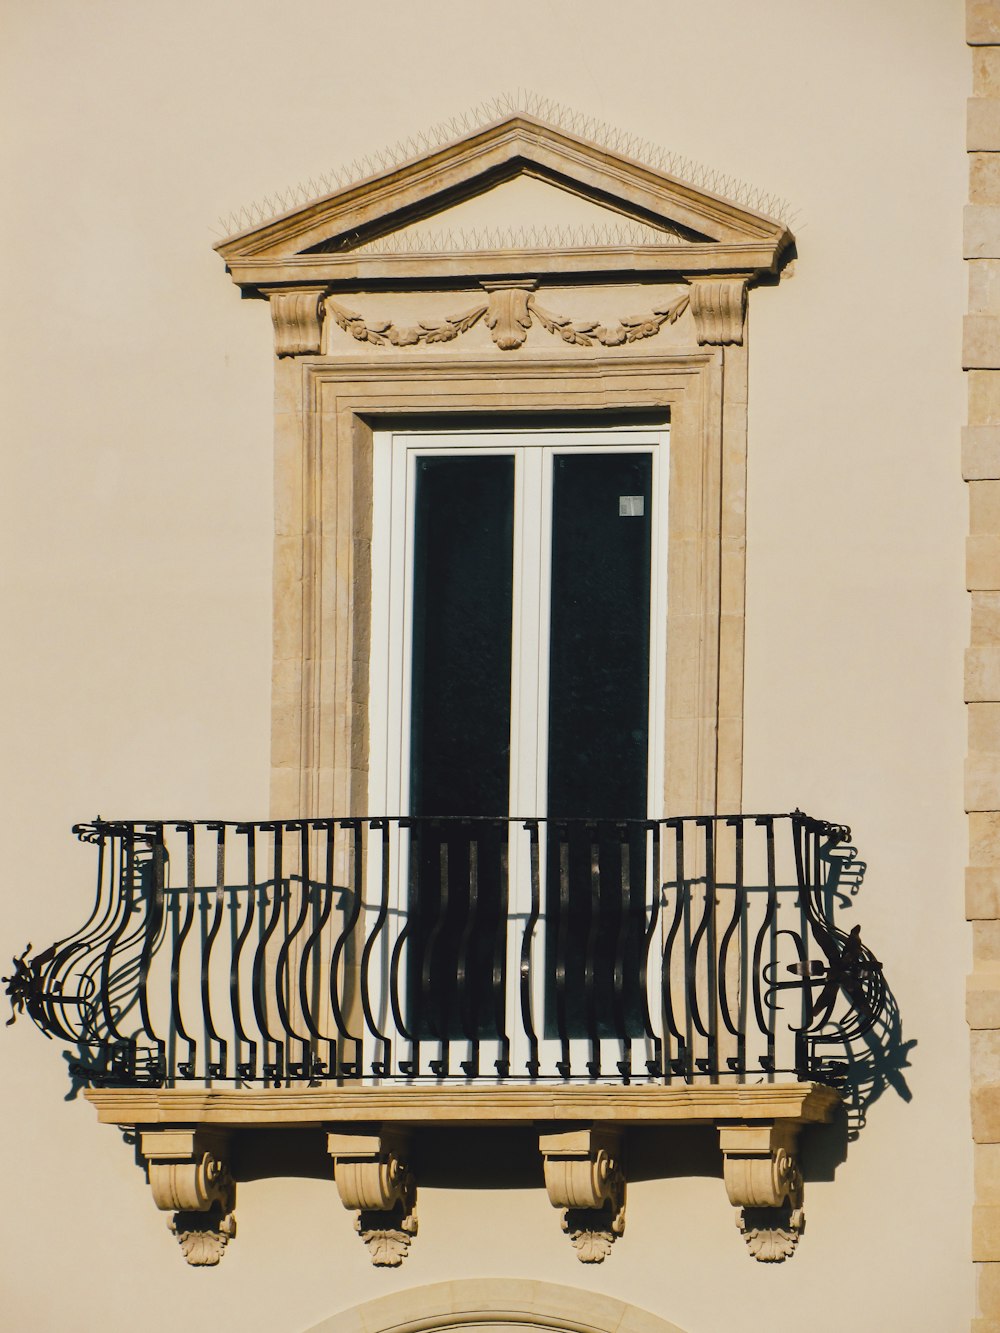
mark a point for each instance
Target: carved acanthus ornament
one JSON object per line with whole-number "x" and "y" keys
{"x": 202, "y": 1239}
{"x": 764, "y": 1182}
{"x": 189, "y": 1177}
{"x": 584, "y": 1177}
{"x": 297, "y": 316}
{"x": 509, "y": 314}
{"x": 372, "y": 1177}
{"x": 719, "y": 307}
{"x": 508, "y": 317}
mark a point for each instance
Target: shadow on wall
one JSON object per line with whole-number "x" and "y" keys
{"x": 865, "y": 1056}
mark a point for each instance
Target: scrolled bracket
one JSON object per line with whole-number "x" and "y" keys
{"x": 373, "y": 1178}
{"x": 190, "y": 1178}
{"x": 297, "y": 316}
{"x": 719, "y": 308}
{"x": 764, "y": 1183}
{"x": 584, "y": 1177}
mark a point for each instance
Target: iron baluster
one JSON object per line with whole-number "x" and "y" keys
{"x": 621, "y": 946}
{"x": 766, "y": 939}
{"x": 185, "y": 894}
{"x": 562, "y": 946}
{"x": 410, "y": 1066}
{"x": 245, "y": 1068}
{"x": 499, "y": 977}
{"x": 348, "y": 1068}
{"x": 274, "y": 1049}
{"x": 737, "y": 918}
{"x": 153, "y": 925}
{"x": 321, "y": 901}
{"x": 466, "y": 988}
{"x": 381, "y": 1064}
{"x": 216, "y": 1068}
{"x": 681, "y": 1063}
{"x": 527, "y": 1017}
{"x": 590, "y": 956}
{"x": 435, "y": 1008}
{"x": 651, "y": 837}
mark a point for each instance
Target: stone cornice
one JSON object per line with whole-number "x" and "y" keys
{"x": 597, "y": 263}
{"x": 516, "y": 145}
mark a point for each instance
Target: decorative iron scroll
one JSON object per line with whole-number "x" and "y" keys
{"x": 309, "y": 950}
{"x": 509, "y": 314}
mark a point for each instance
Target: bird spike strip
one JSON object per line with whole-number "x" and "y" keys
{"x": 444, "y": 241}
{"x": 598, "y": 132}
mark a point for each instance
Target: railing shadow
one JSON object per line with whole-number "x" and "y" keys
{"x": 865, "y": 1058}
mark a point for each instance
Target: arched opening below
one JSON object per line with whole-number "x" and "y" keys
{"x": 504, "y": 1305}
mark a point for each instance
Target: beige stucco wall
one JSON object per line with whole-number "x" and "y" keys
{"x": 136, "y": 577}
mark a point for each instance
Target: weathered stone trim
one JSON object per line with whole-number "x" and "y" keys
{"x": 981, "y": 469}
{"x": 326, "y": 412}
{"x": 495, "y": 1303}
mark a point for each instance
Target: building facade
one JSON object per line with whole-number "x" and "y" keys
{"x": 454, "y": 652}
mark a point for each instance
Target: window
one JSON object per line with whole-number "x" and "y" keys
{"x": 518, "y": 665}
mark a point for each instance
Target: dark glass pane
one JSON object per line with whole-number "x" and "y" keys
{"x": 460, "y": 743}
{"x": 599, "y": 654}
{"x": 598, "y": 742}
{"x": 462, "y": 599}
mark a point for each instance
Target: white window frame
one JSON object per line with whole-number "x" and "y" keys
{"x": 394, "y": 470}
{"x": 395, "y": 455}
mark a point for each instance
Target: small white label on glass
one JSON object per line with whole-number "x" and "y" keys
{"x": 631, "y": 506}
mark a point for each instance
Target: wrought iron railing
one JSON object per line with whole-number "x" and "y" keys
{"x": 411, "y": 948}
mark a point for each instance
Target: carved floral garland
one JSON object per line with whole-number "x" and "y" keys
{"x": 509, "y": 314}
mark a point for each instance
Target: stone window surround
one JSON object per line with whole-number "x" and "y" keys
{"x": 326, "y": 412}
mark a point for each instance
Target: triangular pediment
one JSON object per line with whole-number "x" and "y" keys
{"x": 573, "y": 194}
{"x": 524, "y": 212}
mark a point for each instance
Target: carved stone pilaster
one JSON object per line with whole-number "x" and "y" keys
{"x": 297, "y": 316}
{"x": 764, "y": 1182}
{"x": 584, "y": 1177}
{"x": 508, "y": 317}
{"x": 719, "y": 306}
{"x": 189, "y": 1176}
{"x": 372, "y": 1176}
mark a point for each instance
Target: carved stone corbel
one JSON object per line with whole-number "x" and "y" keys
{"x": 764, "y": 1182}
{"x": 297, "y": 316}
{"x": 189, "y": 1176}
{"x": 718, "y": 306}
{"x": 584, "y": 1177}
{"x": 372, "y": 1176}
{"x": 508, "y": 317}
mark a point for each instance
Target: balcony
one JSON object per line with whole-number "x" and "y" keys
{"x": 373, "y": 975}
